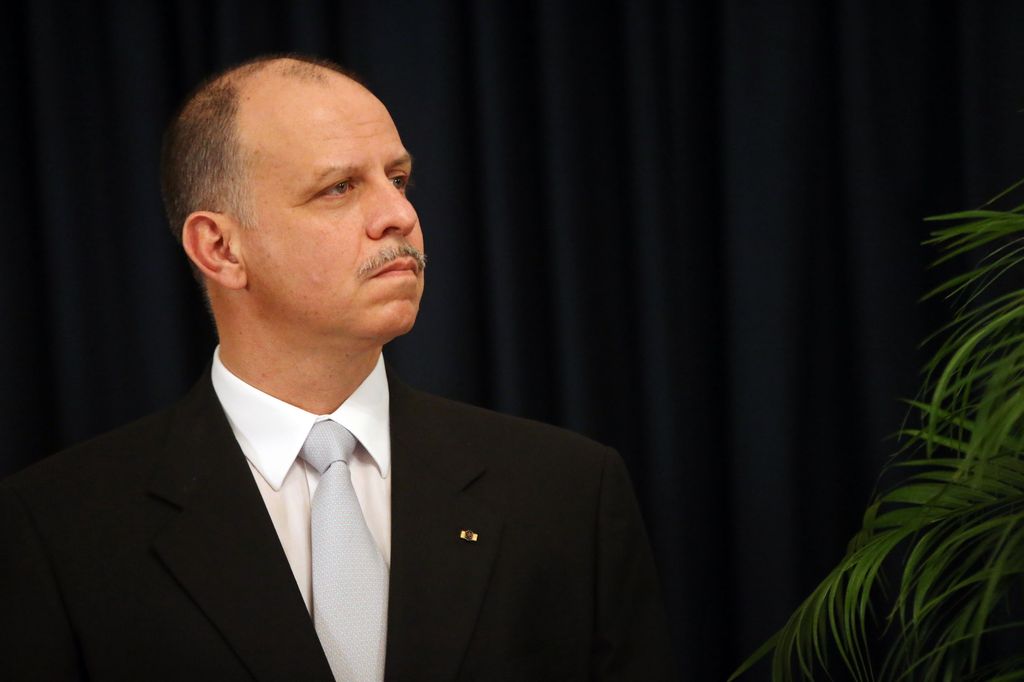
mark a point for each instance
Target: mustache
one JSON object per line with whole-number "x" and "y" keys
{"x": 390, "y": 253}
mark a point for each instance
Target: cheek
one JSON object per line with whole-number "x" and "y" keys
{"x": 280, "y": 269}
{"x": 307, "y": 253}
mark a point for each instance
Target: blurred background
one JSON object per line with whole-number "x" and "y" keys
{"x": 691, "y": 230}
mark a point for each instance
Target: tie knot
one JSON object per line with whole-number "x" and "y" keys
{"x": 328, "y": 442}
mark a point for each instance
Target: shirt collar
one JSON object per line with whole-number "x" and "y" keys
{"x": 271, "y": 432}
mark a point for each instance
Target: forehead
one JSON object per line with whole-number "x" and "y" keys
{"x": 285, "y": 120}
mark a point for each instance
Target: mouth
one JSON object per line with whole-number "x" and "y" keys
{"x": 393, "y": 260}
{"x": 398, "y": 267}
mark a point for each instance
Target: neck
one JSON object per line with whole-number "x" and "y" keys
{"x": 316, "y": 378}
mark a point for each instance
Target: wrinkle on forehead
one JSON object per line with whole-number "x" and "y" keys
{"x": 288, "y": 128}
{"x": 278, "y": 112}
{"x": 296, "y": 103}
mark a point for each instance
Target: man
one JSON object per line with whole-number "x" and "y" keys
{"x": 202, "y": 542}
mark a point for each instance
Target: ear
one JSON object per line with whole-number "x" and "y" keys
{"x": 212, "y": 242}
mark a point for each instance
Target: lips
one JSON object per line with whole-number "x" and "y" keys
{"x": 396, "y": 266}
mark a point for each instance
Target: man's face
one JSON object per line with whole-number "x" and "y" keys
{"x": 326, "y": 181}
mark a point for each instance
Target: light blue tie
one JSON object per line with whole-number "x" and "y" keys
{"x": 350, "y": 579}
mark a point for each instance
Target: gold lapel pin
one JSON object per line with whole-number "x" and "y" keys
{"x": 468, "y": 535}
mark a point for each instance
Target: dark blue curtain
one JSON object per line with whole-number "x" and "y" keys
{"x": 690, "y": 230}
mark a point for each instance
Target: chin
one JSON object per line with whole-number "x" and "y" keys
{"x": 397, "y": 321}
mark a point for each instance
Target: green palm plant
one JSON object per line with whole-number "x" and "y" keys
{"x": 936, "y": 572}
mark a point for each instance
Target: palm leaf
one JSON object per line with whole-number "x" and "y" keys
{"x": 951, "y": 531}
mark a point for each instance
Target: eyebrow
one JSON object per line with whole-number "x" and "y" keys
{"x": 351, "y": 169}
{"x": 403, "y": 160}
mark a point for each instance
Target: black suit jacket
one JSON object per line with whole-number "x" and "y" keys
{"x": 147, "y": 553}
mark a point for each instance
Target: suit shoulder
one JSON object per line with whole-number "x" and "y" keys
{"x": 468, "y": 426}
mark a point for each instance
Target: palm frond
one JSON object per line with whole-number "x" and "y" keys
{"x": 952, "y": 529}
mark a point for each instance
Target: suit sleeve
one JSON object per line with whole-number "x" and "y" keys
{"x": 36, "y": 641}
{"x": 631, "y": 639}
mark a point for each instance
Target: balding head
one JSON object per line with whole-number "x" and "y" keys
{"x": 203, "y": 165}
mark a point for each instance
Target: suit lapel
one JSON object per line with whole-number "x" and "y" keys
{"x": 438, "y": 579}
{"x": 223, "y": 548}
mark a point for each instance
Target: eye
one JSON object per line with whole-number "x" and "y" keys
{"x": 401, "y": 182}
{"x": 339, "y": 188}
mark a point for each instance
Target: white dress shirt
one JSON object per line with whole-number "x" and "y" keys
{"x": 271, "y": 432}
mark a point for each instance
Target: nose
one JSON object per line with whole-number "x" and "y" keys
{"x": 390, "y": 213}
